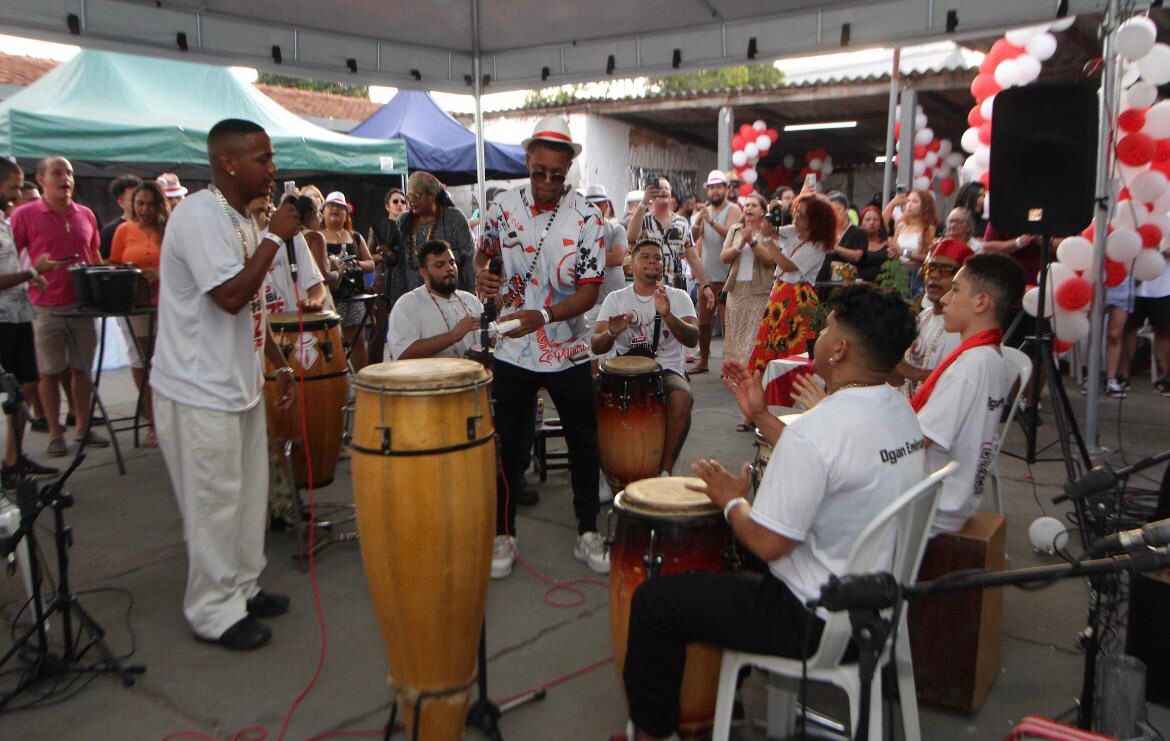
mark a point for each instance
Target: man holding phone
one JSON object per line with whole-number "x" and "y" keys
{"x": 653, "y": 219}
{"x": 67, "y": 232}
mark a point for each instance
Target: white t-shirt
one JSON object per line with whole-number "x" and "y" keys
{"x": 833, "y": 470}
{"x": 747, "y": 262}
{"x": 961, "y": 418}
{"x": 931, "y": 346}
{"x": 807, "y": 256}
{"x": 640, "y": 334}
{"x": 571, "y": 256}
{"x": 613, "y": 238}
{"x": 1156, "y": 288}
{"x": 278, "y": 288}
{"x": 420, "y": 314}
{"x": 204, "y": 356}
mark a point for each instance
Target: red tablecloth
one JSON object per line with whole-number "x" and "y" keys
{"x": 779, "y": 376}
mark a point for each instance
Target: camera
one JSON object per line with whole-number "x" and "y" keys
{"x": 777, "y": 216}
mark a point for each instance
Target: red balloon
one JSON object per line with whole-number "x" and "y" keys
{"x": 747, "y": 131}
{"x": 773, "y": 134}
{"x": 746, "y": 189}
{"x": 1060, "y": 346}
{"x": 805, "y": 172}
{"x": 737, "y": 143}
{"x": 935, "y": 145}
{"x": 983, "y": 87}
{"x": 822, "y": 152}
{"x": 1151, "y": 235}
{"x": 1132, "y": 119}
{"x": 810, "y": 155}
{"x": 1115, "y": 273}
{"x": 985, "y": 178}
{"x": 1123, "y": 194}
{"x": 975, "y": 117}
{"x": 1162, "y": 150}
{"x": 1136, "y": 149}
{"x": 946, "y": 186}
{"x": 1162, "y": 166}
{"x": 897, "y": 129}
{"x": 1001, "y": 50}
{"x": 985, "y": 133}
{"x": 1090, "y": 232}
{"x": 1073, "y": 294}
{"x": 919, "y": 152}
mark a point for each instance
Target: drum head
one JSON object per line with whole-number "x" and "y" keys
{"x": 423, "y": 375}
{"x": 630, "y": 365}
{"x": 289, "y": 321}
{"x": 667, "y": 498}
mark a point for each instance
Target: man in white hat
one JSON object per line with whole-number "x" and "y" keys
{"x": 613, "y": 240}
{"x": 712, "y": 222}
{"x": 548, "y": 240}
{"x": 172, "y": 189}
{"x": 633, "y": 198}
{"x": 653, "y": 218}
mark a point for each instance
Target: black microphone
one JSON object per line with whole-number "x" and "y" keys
{"x": 496, "y": 268}
{"x": 1154, "y": 535}
{"x": 292, "y": 257}
{"x": 876, "y": 591}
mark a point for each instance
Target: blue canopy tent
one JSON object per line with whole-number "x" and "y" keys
{"x": 437, "y": 143}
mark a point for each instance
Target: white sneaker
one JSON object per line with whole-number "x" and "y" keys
{"x": 591, "y": 550}
{"x": 604, "y": 492}
{"x": 503, "y": 556}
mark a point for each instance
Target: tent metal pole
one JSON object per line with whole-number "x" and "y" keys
{"x": 891, "y": 119}
{"x": 477, "y": 85}
{"x": 1106, "y": 115}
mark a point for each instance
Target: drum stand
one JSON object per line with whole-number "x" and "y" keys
{"x": 325, "y": 534}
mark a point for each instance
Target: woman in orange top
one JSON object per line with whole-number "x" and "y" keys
{"x": 138, "y": 242}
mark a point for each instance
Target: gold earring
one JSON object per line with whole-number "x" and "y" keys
{"x": 232, "y": 173}
{"x": 832, "y": 361}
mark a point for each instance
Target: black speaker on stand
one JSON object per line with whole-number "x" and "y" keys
{"x": 1043, "y": 167}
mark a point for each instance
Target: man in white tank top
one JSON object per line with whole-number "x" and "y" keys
{"x": 712, "y": 223}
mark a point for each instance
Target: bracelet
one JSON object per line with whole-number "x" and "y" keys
{"x": 285, "y": 369}
{"x": 548, "y": 314}
{"x": 732, "y": 505}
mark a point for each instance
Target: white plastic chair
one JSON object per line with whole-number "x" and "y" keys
{"x": 1020, "y": 367}
{"x": 907, "y": 519}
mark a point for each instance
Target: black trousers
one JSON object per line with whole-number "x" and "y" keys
{"x": 514, "y": 392}
{"x": 742, "y": 611}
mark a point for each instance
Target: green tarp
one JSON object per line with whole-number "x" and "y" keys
{"x": 102, "y": 107}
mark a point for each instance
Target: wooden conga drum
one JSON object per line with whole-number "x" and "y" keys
{"x": 675, "y": 530}
{"x": 424, "y": 480}
{"x": 312, "y": 347}
{"x": 631, "y": 419}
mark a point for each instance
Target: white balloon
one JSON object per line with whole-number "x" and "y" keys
{"x": 1149, "y": 265}
{"x": 1128, "y": 173}
{"x": 955, "y": 159}
{"x": 945, "y": 147}
{"x": 1042, "y": 46}
{"x": 759, "y": 125}
{"x": 750, "y": 176}
{"x": 922, "y": 137}
{"x": 1123, "y": 245}
{"x": 972, "y": 168}
{"x": 1075, "y": 252}
{"x": 1148, "y": 186}
{"x": 827, "y": 168}
{"x": 1141, "y": 94}
{"x": 1136, "y": 37}
{"x": 1031, "y": 301}
{"x": 1162, "y": 205}
{"x": 983, "y": 157}
{"x": 1058, "y": 273}
{"x": 789, "y": 161}
{"x": 970, "y": 141}
{"x": 739, "y": 159}
{"x": 1158, "y": 120}
{"x": 1007, "y": 73}
{"x": 751, "y": 150}
{"x": 920, "y": 120}
{"x": 827, "y": 161}
{"x": 1029, "y": 68}
{"x": 1155, "y": 66}
{"x": 752, "y": 160}
{"x": 1063, "y": 24}
{"x": 815, "y": 164}
{"x": 898, "y": 111}
{"x": 919, "y": 168}
{"x": 1129, "y": 75}
{"x": 987, "y": 108}
{"x": 1129, "y": 215}
{"x": 931, "y": 159}
{"x": 763, "y": 142}
{"x": 921, "y": 183}
{"x": 945, "y": 170}
{"x": 919, "y": 110}
{"x": 1070, "y": 326}
{"x": 1162, "y": 221}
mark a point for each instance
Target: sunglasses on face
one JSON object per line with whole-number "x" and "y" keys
{"x": 398, "y": 201}
{"x": 557, "y": 178}
{"x": 938, "y": 270}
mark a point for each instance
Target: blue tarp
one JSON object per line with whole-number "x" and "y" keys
{"x": 436, "y": 142}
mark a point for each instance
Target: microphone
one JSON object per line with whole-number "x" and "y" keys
{"x": 496, "y": 268}
{"x": 1154, "y": 535}
{"x": 292, "y": 257}
{"x": 876, "y": 591}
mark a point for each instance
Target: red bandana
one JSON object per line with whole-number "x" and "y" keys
{"x": 986, "y": 337}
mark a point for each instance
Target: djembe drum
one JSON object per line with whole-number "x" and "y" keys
{"x": 631, "y": 419}
{"x": 312, "y": 346}
{"x": 424, "y": 480}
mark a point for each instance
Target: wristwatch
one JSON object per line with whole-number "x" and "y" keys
{"x": 274, "y": 239}
{"x": 32, "y": 274}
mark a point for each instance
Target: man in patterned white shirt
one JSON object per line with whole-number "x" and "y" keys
{"x": 653, "y": 219}
{"x": 547, "y": 238}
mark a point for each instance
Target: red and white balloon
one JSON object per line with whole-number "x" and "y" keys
{"x": 748, "y": 146}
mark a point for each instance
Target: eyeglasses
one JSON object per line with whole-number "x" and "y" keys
{"x": 936, "y": 269}
{"x": 399, "y": 201}
{"x": 557, "y": 178}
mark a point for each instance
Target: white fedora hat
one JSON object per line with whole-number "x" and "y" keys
{"x": 596, "y": 193}
{"x": 552, "y": 129}
{"x": 716, "y": 177}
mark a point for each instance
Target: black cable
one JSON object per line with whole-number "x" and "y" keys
{"x": 803, "y": 694}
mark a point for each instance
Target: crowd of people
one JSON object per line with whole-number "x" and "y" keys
{"x": 573, "y": 286}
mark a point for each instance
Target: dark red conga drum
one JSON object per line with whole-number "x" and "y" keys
{"x": 675, "y": 530}
{"x": 631, "y": 419}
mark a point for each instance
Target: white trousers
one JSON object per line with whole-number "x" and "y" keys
{"x": 218, "y": 464}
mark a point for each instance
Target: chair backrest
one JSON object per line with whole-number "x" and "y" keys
{"x": 1019, "y": 367}
{"x": 907, "y": 519}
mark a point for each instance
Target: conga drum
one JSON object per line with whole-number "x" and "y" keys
{"x": 631, "y": 419}
{"x": 763, "y": 455}
{"x": 424, "y": 481}
{"x": 312, "y": 347}
{"x": 664, "y": 528}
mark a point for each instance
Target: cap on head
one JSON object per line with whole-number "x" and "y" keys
{"x": 954, "y": 250}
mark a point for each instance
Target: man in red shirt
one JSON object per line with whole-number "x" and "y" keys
{"x": 66, "y": 232}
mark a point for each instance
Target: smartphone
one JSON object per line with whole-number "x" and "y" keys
{"x": 651, "y": 181}
{"x": 901, "y": 189}
{"x": 810, "y": 181}
{"x": 290, "y": 187}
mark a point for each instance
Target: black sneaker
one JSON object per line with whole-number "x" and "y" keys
{"x": 246, "y": 634}
{"x": 1162, "y": 386}
{"x": 32, "y": 468}
{"x": 1124, "y": 383}
{"x": 40, "y": 424}
{"x": 268, "y": 604}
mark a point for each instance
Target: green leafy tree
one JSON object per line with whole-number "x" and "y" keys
{"x": 552, "y": 96}
{"x": 745, "y": 75}
{"x": 320, "y": 86}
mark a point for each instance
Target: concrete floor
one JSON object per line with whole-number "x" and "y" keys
{"x": 127, "y": 535}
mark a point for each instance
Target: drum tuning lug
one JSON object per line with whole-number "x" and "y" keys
{"x": 609, "y": 529}
{"x": 385, "y": 438}
{"x": 327, "y": 350}
{"x": 471, "y": 425}
{"x": 624, "y": 400}
{"x": 652, "y": 560}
